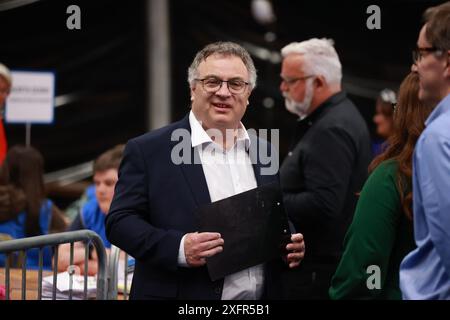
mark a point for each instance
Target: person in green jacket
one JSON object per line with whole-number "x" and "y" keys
{"x": 381, "y": 233}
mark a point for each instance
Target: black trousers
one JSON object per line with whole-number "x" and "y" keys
{"x": 310, "y": 281}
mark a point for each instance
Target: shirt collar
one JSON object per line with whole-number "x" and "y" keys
{"x": 442, "y": 107}
{"x": 199, "y": 135}
{"x": 331, "y": 101}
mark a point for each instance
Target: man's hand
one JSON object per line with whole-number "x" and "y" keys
{"x": 198, "y": 246}
{"x": 296, "y": 250}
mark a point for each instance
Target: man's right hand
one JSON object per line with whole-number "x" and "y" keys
{"x": 199, "y": 246}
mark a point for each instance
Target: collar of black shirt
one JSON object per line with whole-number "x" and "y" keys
{"x": 320, "y": 111}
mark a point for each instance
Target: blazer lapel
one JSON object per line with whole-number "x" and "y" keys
{"x": 195, "y": 177}
{"x": 193, "y": 173}
{"x": 256, "y": 163}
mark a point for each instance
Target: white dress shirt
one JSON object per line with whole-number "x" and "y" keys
{"x": 227, "y": 172}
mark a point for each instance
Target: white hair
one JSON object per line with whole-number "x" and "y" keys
{"x": 320, "y": 58}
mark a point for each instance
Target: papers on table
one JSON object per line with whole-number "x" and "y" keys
{"x": 63, "y": 283}
{"x": 63, "y": 287}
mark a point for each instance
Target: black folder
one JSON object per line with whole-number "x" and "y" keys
{"x": 254, "y": 227}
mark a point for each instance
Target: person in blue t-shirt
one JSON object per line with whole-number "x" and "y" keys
{"x": 74, "y": 208}
{"x": 92, "y": 214}
{"x": 24, "y": 209}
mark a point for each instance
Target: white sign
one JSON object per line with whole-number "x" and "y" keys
{"x": 32, "y": 97}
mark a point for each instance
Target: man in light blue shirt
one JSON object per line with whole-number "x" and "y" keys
{"x": 425, "y": 272}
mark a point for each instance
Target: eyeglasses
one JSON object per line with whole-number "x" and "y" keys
{"x": 290, "y": 82}
{"x": 212, "y": 85}
{"x": 419, "y": 53}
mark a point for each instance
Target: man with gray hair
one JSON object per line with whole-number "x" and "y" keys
{"x": 327, "y": 162}
{"x": 153, "y": 213}
{"x": 5, "y": 88}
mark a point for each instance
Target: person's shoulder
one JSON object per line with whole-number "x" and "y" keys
{"x": 338, "y": 116}
{"x": 159, "y": 142}
{"x": 347, "y": 114}
{"x": 439, "y": 127}
{"x": 90, "y": 208}
{"x": 381, "y": 185}
{"x": 386, "y": 171}
{"x": 389, "y": 165}
{"x": 90, "y": 212}
{"x": 434, "y": 139}
{"x": 162, "y": 134}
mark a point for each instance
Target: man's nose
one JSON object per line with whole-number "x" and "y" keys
{"x": 223, "y": 90}
{"x": 100, "y": 188}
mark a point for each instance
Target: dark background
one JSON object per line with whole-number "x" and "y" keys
{"x": 102, "y": 66}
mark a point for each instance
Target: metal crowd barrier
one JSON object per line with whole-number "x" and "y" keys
{"x": 53, "y": 240}
{"x": 113, "y": 273}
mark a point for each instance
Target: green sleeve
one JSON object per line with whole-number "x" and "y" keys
{"x": 371, "y": 236}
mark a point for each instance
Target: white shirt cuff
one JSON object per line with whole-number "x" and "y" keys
{"x": 181, "y": 257}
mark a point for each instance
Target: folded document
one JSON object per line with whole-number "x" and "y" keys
{"x": 254, "y": 227}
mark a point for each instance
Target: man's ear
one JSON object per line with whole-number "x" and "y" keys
{"x": 248, "y": 95}
{"x": 192, "y": 93}
{"x": 319, "y": 82}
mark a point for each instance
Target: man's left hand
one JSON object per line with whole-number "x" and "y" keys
{"x": 296, "y": 250}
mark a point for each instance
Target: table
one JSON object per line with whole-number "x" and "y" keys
{"x": 15, "y": 276}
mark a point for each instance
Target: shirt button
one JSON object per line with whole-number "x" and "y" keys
{"x": 217, "y": 289}
{"x": 290, "y": 153}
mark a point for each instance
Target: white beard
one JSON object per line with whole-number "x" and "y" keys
{"x": 300, "y": 108}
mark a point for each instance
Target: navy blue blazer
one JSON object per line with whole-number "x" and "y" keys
{"x": 153, "y": 207}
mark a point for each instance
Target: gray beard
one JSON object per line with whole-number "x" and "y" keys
{"x": 300, "y": 108}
